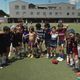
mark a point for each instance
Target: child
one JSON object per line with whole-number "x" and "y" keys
{"x": 14, "y": 41}
{"x": 5, "y": 45}
{"x": 40, "y": 34}
{"x": 18, "y": 37}
{"x": 25, "y": 39}
{"x": 61, "y": 38}
{"x": 53, "y": 41}
{"x": 68, "y": 48}
{"x": 2, "y": 50}
{"x": 47, "y": 31}
{"x": 76, "y": 50}
{"x": 78, "y": 44}
{"x": 32, "y": 41}
{"x": 71, "y": 48}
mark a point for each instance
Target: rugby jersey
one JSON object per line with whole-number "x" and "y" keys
{"x": 40, "y": 33}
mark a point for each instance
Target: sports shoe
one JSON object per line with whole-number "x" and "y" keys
{"x": 47, "y": 55}
{"x": 1, "y": 67}
{"x": 31, "y": 56}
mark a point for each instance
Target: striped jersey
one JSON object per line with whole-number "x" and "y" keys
{"x": 40, "y": 33}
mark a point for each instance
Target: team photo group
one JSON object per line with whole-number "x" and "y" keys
{"x": 57, "y": 43}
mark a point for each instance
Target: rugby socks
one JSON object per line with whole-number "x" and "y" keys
{"x": 67, "y": 59}
{"x": 76, "y": 64}
{"x": 71, "y": 62}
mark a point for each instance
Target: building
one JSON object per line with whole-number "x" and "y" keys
{"x": 37, "y": 12}
{"x": 3, "y": 16}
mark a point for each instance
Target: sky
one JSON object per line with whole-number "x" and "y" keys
{"x": 4, "y": 4}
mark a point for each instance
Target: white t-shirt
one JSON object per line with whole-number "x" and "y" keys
{"x": 54, "y": 36}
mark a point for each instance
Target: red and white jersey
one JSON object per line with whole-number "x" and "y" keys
{"x": 62, "y": 33}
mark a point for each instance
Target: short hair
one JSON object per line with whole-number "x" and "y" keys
{"x": 31, "y": 28}
{"x": 77, "y": 34}
{"x": 60, "y": 25}
{"x": 54, "y": 27}
{"x": 71, "y": 31}
{"x": 38, "y": 26}
{"x": 47, "y": 25}
{"x": 6, "y": 29}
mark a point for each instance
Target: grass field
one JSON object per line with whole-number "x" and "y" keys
{"x": 38, "y": 69}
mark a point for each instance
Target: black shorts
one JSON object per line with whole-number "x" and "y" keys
{"x": 69, "y": 50}
{"x": 15, "y": 41}
{"x": 53, "y": 43}
{"x": 61, "y": 42}
{"x": 47, "y": 43}
{"x": 19, "y": 37}
{"x": 3, "y": 45}
{"x": 7, "y": 40}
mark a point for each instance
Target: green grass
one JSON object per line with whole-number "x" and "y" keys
{"x": 38, "y": 69}
{"x": 75, "y": 26}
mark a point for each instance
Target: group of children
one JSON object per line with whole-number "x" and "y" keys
{"x": 55, "y": 39}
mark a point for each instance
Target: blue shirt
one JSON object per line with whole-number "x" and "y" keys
{"x": 47, "y": 34}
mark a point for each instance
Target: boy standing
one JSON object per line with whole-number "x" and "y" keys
{"x": 32, "y": 41}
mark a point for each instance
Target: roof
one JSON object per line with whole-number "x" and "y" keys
{"x": 62, "y": 3}
{"x": 2, "y": 14}
{"x": 17, "y": 1}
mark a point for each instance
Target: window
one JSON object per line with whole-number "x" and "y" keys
{"x": 23, "y": 7}
{"x": 56, "y": 13}
{"x": 73, "y": 13}
{"x": 24, "y": 13}
{"x": 79, "y": 14}
{"x": 38, "y": 13}
{"x": 73, "y": 7}
{"x": 32, "y": 6}
{"x": 60, "y": 8}
{"x": 60, "y": 13}
{"x": 17, "y": 13}
{"x": 50, "y": 13}
{"x": 16, "y": 7}
{"x": 68, "y": 7}
{"x": 31, "y": 13}
{"x": 68, "y": 13}
{"x": 50, "y": 8}
{"x": 44, "y": 13}
{"x": 54, "y": 7}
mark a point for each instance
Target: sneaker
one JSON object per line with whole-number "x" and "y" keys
{"x": 51, "y": 56}
{"x": 1, "y": 67}
{"x": 47, "y": 55}
{"x": 42, "y": 55}
{"x": 71, "y": 65}
{"x": 31, "y": 56}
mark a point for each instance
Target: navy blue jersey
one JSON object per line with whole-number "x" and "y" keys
{"x": 47, "y": 34}
{"x": 25, "y": 37}
{"x": 40, "y": 33}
